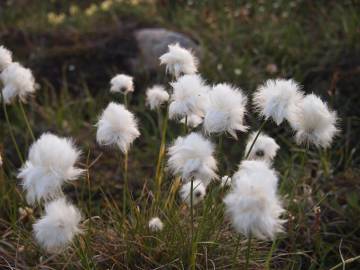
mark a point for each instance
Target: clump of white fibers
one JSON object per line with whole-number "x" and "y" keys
{"x": 117, "y": 126}
{"x": 192, "y": 156}
{"x": 252, "y": 204}
{"x": 155, "y": 224}
{"x": 226, "y": 110}
{"x": 265, "y": 147}
{"x": 225, "y": 181}
{"x": 58, "y": 226}
{"x": 190, "y": 96}
{"x": 122, "y": 83}
{"x": 17, "y": 81}
{"x": 199, "y": 191}
{"x": 192, "y": 120}
{"x": 50, "y": 163}
{"x": 314, "y": 122}
{"x": 156, "y": 96}
{"x": 276, "y": 99}
{"x": 5, "y": 58}
{"x": 179, "y": 61}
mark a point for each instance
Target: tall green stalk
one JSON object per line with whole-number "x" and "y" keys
{"x": 256, "y": 137}
{"x": 248, "y": 252}
{"x": 27, "y": 122}
{"x": 193, "y": 252}
{"x": 125, "y": 188}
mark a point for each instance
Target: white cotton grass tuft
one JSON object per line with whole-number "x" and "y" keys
{"x": 226, "y": 110}
{"x": 5, "y": 58}
{"x": 117, "y": 126}
{"x": 156, "y": 225}
{"x": 277, "y": 98}
{"x": 179, "y": 61}
{"x": 192, "y": 120}
{"x": 199, "y": 191}
{"x": 122, "y": 83}
{"x": 264, "y": 148}
{"x": 192, "y": 156}
{"x": 314, "y": 122}
{"x": 17, "y": 81}
{"x": 57, "y": 228}
{"x": 51, "y": 162}
{"x": 225, "y": 181}
{"x": 252, "y": 204}
{"x": 156, "y": 96}
{"x": 190, "y": 96}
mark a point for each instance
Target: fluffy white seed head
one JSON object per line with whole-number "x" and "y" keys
{"x": 156, "y": 96}
{"x": 179, "y": 61}
{"x": 199, "y": 191}
{"x": 192, "y": 120}
{"x": 190, "y": 96}
{"x": 252, "y": 204}
{"x": 122, "y": 83}
{"x": 117, "y": 126}
{"x": 17, "y": 81}
{"x": 225, "y": 181}
{"x": 192, "y": 157}
{"x": 155, "y": 224}
{"x": 265, "y": 148}
{"x": 5, "y": 58}
{"x": 51, "y": 162}
{"x": 314, "y": 122}
{"x": 276, "y": 98}
{"x": 57, "y": 228}
{"x": 226, "y": 110}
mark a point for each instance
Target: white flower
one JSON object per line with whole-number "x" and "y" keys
{"x": 57, "y": 228}
{"x": 192, "y": 120}
{"x": 226, "y": 110}
{"x": 199, "y": 191}
{"x": 155, "y": 224}
{"x": 117, "y": 126}
{"x": 17, "y": 81}
{"x": 252, "y": 204}
{"x": 225, "y": 181}
{"x": 5, "y": 58}
{"x": 192, "y": 156}
{"x": 179, "y": 61}
{"x": 156, "y": 96}
{"x": 50, "y": 163}
{"x": 122, "y": 83}
{"x": 265, "y": 147}
{"x": 276, "y": 98}
{"x": 190, "y": 96}
{"x": 314, "y": 122}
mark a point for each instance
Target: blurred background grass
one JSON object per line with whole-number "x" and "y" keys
{"x": 75, "y": 47}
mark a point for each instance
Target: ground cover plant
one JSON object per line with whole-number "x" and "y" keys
{"x": 206, "y": 164}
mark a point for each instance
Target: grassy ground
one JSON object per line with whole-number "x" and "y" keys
{"x": 316, "y": 42}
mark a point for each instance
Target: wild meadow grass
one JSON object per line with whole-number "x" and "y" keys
{"x": 319, "y": 188}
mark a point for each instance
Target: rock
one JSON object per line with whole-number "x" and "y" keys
{"x": 153, "y": 42}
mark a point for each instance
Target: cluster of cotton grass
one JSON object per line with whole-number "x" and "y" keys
{"x": 252, "y": 201}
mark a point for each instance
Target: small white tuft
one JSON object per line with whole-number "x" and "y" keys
{"x": 5, "y": 58}
{"x": 155, "y": 224}
{"x": 265, "y": 148}
{"x": 57, "y": 228}
{"x": 192, "y": 120}
{"x": 122, "y": 83}
{"x": 179, "y": 61}
{"x": 225, "y": 181}
{"x": 17, "y": 81}
{"x": 192, "y": 156}
{"x": 117, "y": 126}
{"x": 156, "y": 96}
{"x": 190, "y": 96}
{"x": 226, "y": 110}
{"x": 252, "y": 204}
{"x": 276, "y": 98}
{"x": 50, "y": 164}
{"x": 199, "y": 191}
{"x": 314, "y": 122}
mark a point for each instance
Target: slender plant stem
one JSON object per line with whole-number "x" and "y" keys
{"x": 248, "y": 252}
{"x": 269, "y": 256}
{"x": 236, "y": 251}
{"x": 11, "y": 133}
{"x": 26, "y": 120}
{"x": 256, "y": 137}
{"x": 125, "y": 100}
{"x": 186, "y": 125}
{"x": 193, "y": 257}
{"x": 125, "y": 188}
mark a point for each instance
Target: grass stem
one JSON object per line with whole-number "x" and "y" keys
{"x": 125, "y": 188}
{"x": 256, "y": 137}
{"x": 236, "y": 252}
{"x": 248, "y": 249}
{"x": 26, "y": 119}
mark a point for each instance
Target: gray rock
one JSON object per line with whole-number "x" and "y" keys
{"x": 153, "y": 42}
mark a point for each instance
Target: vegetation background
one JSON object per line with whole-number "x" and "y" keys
{"x": 75, "y": 47}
